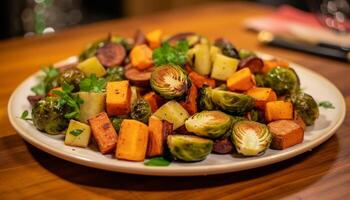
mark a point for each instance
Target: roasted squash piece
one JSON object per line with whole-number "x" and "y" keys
{"x": 262, "y": 96}
{"x": 241, "y": 80}
{"x": 118, "y": 98}
{"x": 276, "y": 110}
{"x": 286, "y": 133}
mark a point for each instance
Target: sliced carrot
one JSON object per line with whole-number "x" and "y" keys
{"x": 154, "y": 38}
{"x": 276, "y": 110}
{"x": 158, "y": 132}
{"x": 270, "y": 64}
{"x": 262, "y": 96}
{"x": 199, "y": 81}
{"x": 153, "y": 100}
{"x": 104, "y": 134}
{"x": 141, "y": 57}
{"x": 241, "y": 80}
{"x": 118, "y": 98}
{"x": 133, "y": 140}
{"x": 190, "y": 104}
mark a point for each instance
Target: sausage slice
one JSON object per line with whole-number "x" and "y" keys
{"x": 111, "y": 54}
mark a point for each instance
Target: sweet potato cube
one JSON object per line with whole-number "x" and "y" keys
{"x": 286, "y": 133}
{"x": 270, "y": 64}
{"x": 141, "y": 57}
{"x": 118, "y": 98}
{"x": 132, "y": 141}
{"x": 102, "y": 130}
{"x": 241, "y": 80}
{"x": 154, "y": 38}
{"x": 262, "y": 96}
{"x": 158, "y": 131}
{"x": 276, "y": 110}
{"x": 153, "y": 100}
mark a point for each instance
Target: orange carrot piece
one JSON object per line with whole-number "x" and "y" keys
{"x": 199, "y": 81}
{"x": 118, "y": 98}
{"x": 141, "y": 57}
{"x": 102, "y": 130}
{"x": 270, "y": 64}
{"x": 133, "y": 140}
{"x": 276, "y": 110}
{"x": 241, "y": 80}
{"x": 262, "y": 96}
{"x": 190, "y": 104}
{"x": 154, "y": 38}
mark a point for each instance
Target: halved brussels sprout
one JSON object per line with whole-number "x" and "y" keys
{"x": 71, "y": 76}
{"x": 251, "y": 138}
{"x": 188, "y": 147}
{"x": 282, "y": 80}
{"x": 306, "y": 107}
{"x": 231, "y": 102}
{"x": 211, "y": 124}
{"x": 205, "y": 102}
{"x": 227, "y": 47}
{"x": 141, "y": 111}
{"x": 169, "y": 81}
{"x": 48, "y": 116}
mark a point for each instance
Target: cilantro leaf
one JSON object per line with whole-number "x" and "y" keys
{"x": 47, "y": 82}
{"x": 93, "y": 84}
{"x": 167, "y": 54}
{"x": 76, "y": 132}
{"x": 158, "y": 162}
{"x": 326, "y": 104}
{"x": 24, "y": 115}
{"x": 72, "y": 101}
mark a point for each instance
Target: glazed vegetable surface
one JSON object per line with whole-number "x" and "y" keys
{"x": 174, "y": 97}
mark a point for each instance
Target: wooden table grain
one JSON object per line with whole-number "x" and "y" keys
{"x": 29, "y": 173}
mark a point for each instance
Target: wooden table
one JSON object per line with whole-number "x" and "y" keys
{"x": 28, "y": 173}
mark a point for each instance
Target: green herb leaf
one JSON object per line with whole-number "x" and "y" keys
{"x": 72, "y": 101}
{"x": 47, "y": 82}
{"x": 158, "y": 162}
{"x": 167, "y": 54}
{"x": 116, "y": 122}
{"x": 76, "y": 132}
{"x": 93, "y": 84}
{"x": 24, "y": 115}
{"x": 326, "y": 104}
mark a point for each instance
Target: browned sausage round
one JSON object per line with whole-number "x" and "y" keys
{"x": 111, "y": 54}
{"x": 254, "y": 63}
{"x": 223, "y": 146}
{"x": 139, "y": 38}
{"x": 180, "y": 36}
{"x": 138, "y": 77}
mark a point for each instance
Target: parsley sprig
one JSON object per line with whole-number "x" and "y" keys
{"x": 76, "y": 132}
{"x": 24, "y": 115}
{"x": 47, "y": 82}
{"x": 72, "y": 101}
{"x": 167, "y": 54}
{"x": 158, "y": 162}
{"x": 326, "y": 104}
{"x": 93, "y": 84}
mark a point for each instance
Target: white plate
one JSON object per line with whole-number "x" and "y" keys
{"x": 314, "y": 84}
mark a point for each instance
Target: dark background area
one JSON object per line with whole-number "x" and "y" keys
{"x": 20, "y": 18}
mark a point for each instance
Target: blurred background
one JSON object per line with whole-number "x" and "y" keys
{"x": 20, "y": 18}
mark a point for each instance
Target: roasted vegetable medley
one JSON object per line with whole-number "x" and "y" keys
{"x": 178, "y": 97}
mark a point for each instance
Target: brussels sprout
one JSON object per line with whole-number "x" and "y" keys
{"x": 244, "y": 53}
{"x": 115, "y": 74}
{"x": 227, "y": 48}
{"x": 250, "y": 138}
{"x": 306, "y": 107}
{"x": 282, "y": 80}
{"x": 231, "y": 102}
{"x": 211, "y": 124}
{"x": 169, "y": 81}
{"x": 48, "y": 116}
{"x": 71, "y": 76}
{"x": 259, "y": 80}
{"x": 188, "y": 147}
{"x": 256, "y": 115}
{"x": 141, "y": 111}
{"x": 205, "y": 102}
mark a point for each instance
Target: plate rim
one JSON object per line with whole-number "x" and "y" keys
{"x": 191, "y": 170}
